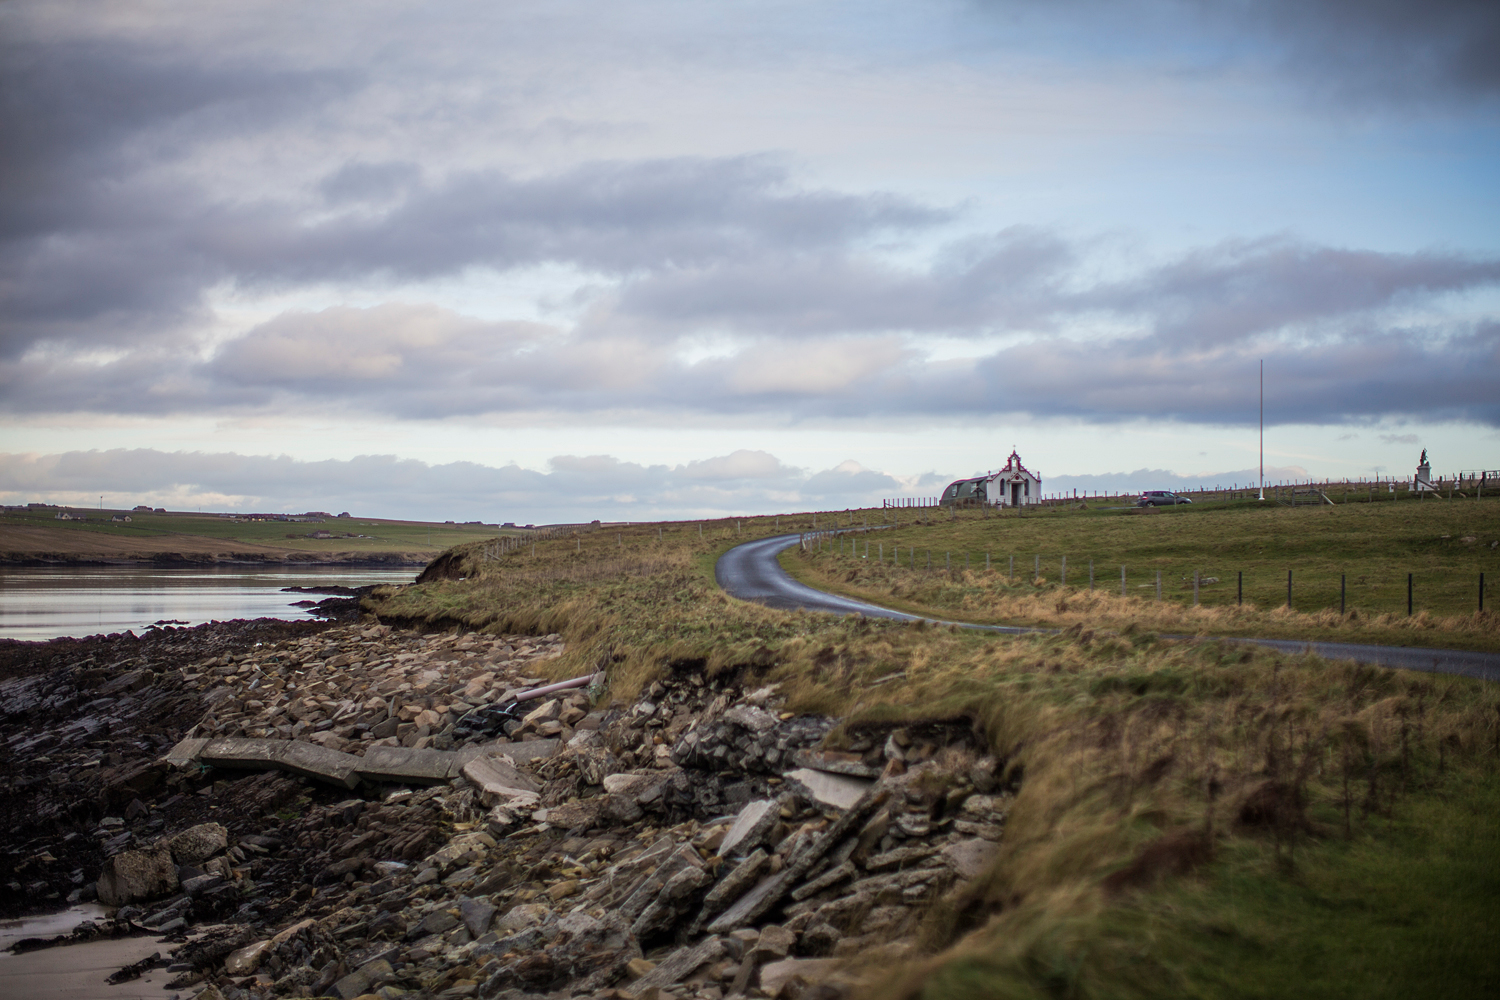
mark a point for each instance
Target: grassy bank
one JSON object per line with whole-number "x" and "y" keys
{"x": 42, "y": 535}
{"x": 1241, "y": 553}
{"x": 1192, "y": 818}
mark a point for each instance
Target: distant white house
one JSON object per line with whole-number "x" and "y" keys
{"x": 1013, "y": 486}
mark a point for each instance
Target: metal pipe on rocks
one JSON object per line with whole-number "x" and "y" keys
{"x": 576, "y": 682}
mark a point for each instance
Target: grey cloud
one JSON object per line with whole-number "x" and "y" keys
{"x": 1400, "y": 439}
{"x": 1126, "y": 483}
{"x": 617, "y": 218}
{"x": 574, "y": 488}
{"x": 367, "y": 182}
{"x": 1391, "y": 50}
{"x": 97, "y": 244}
{"x": 1404, "y": 54}
{"x": 1012, "y": 280}
{"x": 1030, "y": 280}
{"x": 112, "y": 229}
{"x": 424, "y": 361}
{"x": 1243, "y": 288}
{"x": 614, "y": 217}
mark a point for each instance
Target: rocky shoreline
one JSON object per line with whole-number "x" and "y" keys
{"x": 356, "y": 810}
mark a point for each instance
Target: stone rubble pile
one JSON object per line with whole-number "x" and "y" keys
{"x": 369, "y": 689}
{"x": 696, "y": 844}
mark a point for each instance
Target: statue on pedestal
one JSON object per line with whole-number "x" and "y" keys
{"x": 1423, "y": 479}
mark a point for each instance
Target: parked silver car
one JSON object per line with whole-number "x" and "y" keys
{"x": 1160, "y": 498}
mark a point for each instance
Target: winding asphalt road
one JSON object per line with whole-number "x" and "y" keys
{"x": 751, "y": 573}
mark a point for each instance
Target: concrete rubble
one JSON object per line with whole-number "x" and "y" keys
{"x": 352, "y": 814}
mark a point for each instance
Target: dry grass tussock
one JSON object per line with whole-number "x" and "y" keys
{"x": 1141, "y": 761}
{"x": 1137, "y": 761}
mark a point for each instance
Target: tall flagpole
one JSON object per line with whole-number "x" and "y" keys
{"x": 1263, "y": 428}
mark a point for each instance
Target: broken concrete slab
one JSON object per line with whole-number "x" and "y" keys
{"x": 331, "y": 766}
{"x": 407, "y": 766}
{"x": 250, "y": 755}
{"x": 499, "y": 784}
{"x": 835, "y": 762}
{"x": 837, "y": 790}
{"x": 185, "y": 752}
{"x": 497, "y": 770}
{"x": 296, "y": 756}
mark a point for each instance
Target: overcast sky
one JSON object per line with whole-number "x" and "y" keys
{"x": 545, "y": 261}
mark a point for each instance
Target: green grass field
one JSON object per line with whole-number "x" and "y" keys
{"x": 380, "y": 535}
{"x": 1367, "y": 549}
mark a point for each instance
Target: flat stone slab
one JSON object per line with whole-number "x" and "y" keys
{"x": 835, "y": 762}
{"x": 969, "y": 858}
{"x": 749, "y": 827}
{"x": 747, "y": 906}
{"x": 837, "y": 790}
{"x": 406, "y": 766}
{"x": 810, "y": 970}
{"x": 677, "y": 966}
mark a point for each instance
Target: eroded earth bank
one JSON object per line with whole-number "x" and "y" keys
{"x": 352, "y": 810}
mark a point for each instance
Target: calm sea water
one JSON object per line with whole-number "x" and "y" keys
{"x": 48, "y": 602}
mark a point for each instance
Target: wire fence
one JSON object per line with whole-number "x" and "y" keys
{"x": 1194, "y": 587}
{"x": 1461, "y": 485}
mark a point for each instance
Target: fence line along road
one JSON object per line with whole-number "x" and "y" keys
{"x": 751, "y": 573}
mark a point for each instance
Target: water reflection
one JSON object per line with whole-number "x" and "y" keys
{"x": 51, "y": 601}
